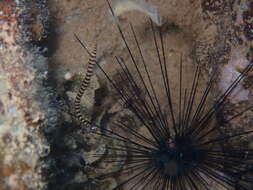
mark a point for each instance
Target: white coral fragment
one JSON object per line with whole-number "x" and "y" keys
{"x": 230, "y": 72}
{"x": 123, "y": 6}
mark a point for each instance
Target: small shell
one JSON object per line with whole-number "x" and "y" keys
{"x": 123, "y": 6}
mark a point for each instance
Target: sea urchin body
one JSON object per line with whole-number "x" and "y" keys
{"x": 182, "y": 148}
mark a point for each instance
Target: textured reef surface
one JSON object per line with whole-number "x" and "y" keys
{"x": 42, "y": 145}
{"x": 25, "y": 97}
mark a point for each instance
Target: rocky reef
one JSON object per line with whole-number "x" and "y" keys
{"x": 25, "y": 97}
{"x": 42, "y": 145}
{"x": 230, "y": 52}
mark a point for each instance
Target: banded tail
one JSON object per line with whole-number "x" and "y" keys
{"x": 84, "y": 86}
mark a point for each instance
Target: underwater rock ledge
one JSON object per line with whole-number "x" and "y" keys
{"x": 26, "y": 109}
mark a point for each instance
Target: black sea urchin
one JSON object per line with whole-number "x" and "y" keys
{"x": 181, "y": 149}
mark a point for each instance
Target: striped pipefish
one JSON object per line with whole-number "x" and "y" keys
{"x": 84, "y": 85}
